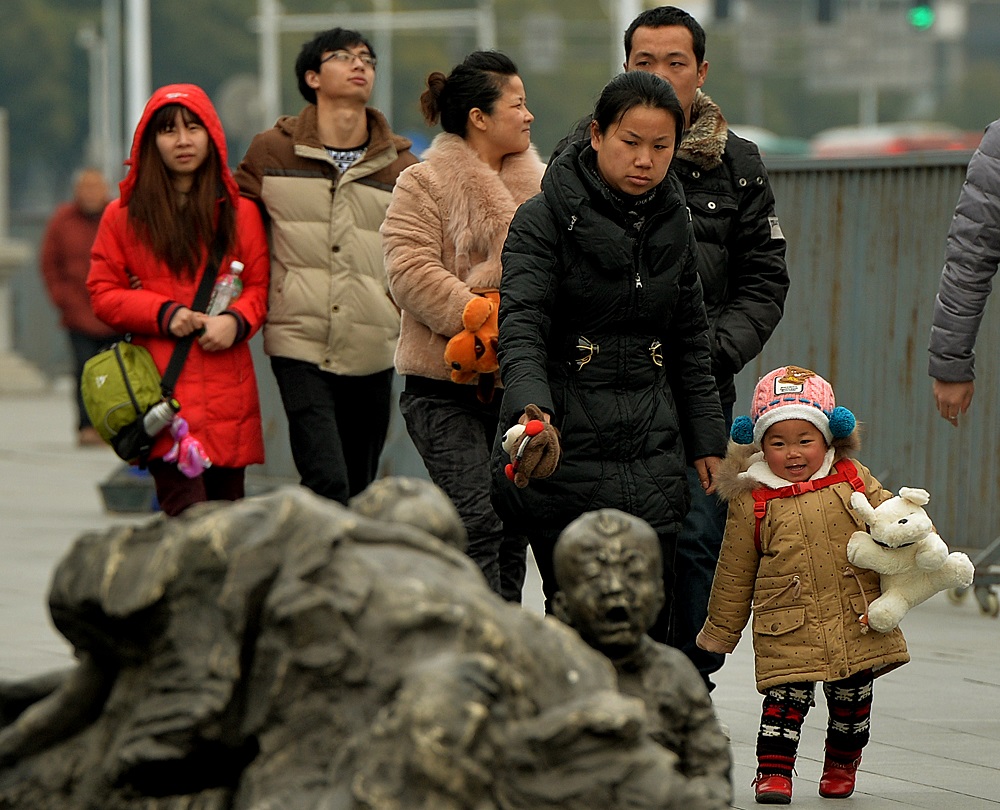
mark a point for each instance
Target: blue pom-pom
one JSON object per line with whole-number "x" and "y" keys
{"x": 842, "y": 422}
{"x": 742, "y": 430}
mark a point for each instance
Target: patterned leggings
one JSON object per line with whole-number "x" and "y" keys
{"x": 849, "y": 703}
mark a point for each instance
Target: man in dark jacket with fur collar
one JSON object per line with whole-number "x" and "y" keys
{"x": 743, "y": 275}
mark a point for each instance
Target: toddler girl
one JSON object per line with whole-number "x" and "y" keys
{"x": 788, "y": 480}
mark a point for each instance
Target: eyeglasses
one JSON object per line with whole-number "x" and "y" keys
{"x": 346, "y": 57}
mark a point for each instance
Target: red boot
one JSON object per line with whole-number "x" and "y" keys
{"x": 772, "y": 789}
{"x": 837, "y": 781}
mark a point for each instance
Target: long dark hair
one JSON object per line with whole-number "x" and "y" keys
{"x": 179, "y": 235}
{"x": 477, "y": 82}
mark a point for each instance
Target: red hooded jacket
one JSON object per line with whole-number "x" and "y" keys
{"x": 217, "y": 390}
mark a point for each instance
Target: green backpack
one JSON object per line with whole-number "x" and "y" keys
{"x": 118, "y": 386}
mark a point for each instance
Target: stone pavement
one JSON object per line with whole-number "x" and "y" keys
{"x": 935, "y": 722}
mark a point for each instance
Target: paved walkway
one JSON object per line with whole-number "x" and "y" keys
{"x": 935, "y": 725}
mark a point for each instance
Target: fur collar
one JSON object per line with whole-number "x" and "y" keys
{"x": 705, "y": 140}
{"x": 480, "y": 202}
{"x": 743, "y": 469}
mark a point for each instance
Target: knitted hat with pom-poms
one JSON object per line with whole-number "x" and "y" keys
{"x": 791, "y": 392}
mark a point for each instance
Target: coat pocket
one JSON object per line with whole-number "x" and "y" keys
{"x": 778, "y": 621}
{"x": 861, "y": 603}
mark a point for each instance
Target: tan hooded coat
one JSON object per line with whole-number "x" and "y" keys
{"x": 805, "y": 597}
{"x": 442, "y": 237}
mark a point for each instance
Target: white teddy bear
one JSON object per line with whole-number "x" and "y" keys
{"x": 911, "y": 557}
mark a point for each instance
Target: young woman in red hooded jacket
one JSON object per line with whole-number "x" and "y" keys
{"x": 150, "y": 254}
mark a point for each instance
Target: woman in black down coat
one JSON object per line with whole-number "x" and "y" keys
{"x": 603, "y": 327}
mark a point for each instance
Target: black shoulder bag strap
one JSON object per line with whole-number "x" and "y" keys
{"x": 200, "y": 302}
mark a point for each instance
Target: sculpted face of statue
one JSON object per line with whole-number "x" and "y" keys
{"x": 609, "y": 571}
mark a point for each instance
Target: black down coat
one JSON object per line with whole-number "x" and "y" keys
{"x": 576, "y": 274}
{"x": 741, "y": 247}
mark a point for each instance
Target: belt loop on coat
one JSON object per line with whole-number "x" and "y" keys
{"x": 588, "y": 348}
{"x": 656, "y": 352}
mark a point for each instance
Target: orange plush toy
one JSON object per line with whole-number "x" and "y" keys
{"x": 473, "y": 351}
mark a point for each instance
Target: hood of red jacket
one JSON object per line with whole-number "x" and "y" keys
{"x": 196, "y": 100}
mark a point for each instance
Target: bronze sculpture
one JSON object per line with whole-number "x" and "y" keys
{"x": 285, "y": 651}
{"x": 610, "y": 574}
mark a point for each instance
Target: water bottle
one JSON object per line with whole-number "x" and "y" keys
{"x": 227, "y": 289}
{"x": 160, "y": 416}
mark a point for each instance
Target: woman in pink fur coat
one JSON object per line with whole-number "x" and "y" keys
{"x": 442, "y": 236}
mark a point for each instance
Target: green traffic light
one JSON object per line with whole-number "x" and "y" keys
{"x": 921, "y": 17}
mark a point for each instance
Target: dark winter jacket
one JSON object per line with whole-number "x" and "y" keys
{"x": 217, "y": 390}
{"x": 741, "y": 247}
{"x": 576, "y": 275}
{"x": 971, "y": 261}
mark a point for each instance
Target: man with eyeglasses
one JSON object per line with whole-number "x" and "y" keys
{"x": 323, "y": 180}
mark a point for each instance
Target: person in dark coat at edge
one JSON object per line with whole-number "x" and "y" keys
{"x": 602, "y": 327}
{"x": 972, "y": 258}
{"x": 744, "y": 279}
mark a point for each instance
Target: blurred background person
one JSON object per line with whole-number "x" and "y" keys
{"x": 65, "y": 261}
{"x": 442, "y": 236}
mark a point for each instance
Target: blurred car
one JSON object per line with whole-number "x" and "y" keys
{"x": 771, "y": 143}
{"x": 892, "y": 139}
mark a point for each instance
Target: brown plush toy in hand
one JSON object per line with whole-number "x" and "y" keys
{"x": 533, "y": 447}
{"x": 473, "y": 351}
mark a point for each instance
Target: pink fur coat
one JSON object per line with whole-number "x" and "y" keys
{"x": 442, "y": 237}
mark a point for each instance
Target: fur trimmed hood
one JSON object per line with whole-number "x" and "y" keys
{"x": 705, "y": 141}
{"x": 740, "y": 470}
{"x": 481, "y": 202}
